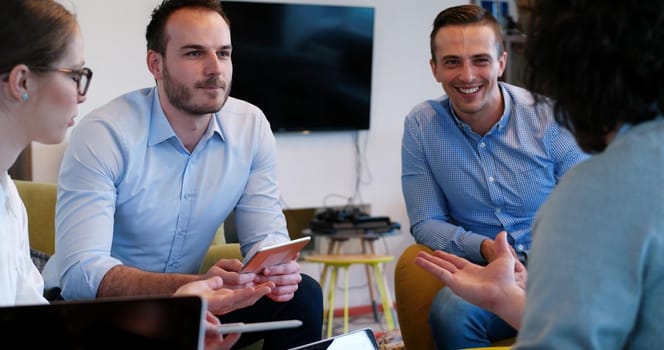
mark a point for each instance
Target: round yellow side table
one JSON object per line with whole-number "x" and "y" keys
{"x": 336, "y": 261}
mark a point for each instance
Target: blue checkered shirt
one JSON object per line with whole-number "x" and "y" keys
{"x": 461, "y": 187}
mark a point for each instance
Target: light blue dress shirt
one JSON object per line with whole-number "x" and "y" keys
{"x": 596, "y": 277}
{"x": 130, "y": 193}
{"x": 461, "y": 187}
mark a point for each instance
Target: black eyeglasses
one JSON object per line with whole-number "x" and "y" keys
{"x": 82, "y": 76}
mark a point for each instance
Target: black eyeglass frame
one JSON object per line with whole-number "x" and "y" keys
{"x": 85, "y": 71}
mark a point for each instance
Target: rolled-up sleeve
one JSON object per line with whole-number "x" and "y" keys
{"x": 85, "y": 211}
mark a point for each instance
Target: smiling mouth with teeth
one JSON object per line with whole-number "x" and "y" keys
{"x": 469, "y": 90}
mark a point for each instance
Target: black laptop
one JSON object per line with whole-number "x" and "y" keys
{"x": 115, "y": 323}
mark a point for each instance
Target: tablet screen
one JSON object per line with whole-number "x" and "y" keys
{"x": 361, "y": 339}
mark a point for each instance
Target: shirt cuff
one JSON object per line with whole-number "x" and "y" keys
{"x": 473, "y": 244}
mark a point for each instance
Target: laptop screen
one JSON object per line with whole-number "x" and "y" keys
{"x": 115, "y": 323}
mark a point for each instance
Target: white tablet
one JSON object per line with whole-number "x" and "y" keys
{"x": 361, "y": 339}
{"x": 274, "y": 255}
{"x": 241, "y": 327}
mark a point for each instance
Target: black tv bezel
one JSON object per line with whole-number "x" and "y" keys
{"x": 286, "y": 119}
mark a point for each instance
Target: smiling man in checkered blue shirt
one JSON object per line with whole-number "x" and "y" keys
{"x": 476, "y": 162}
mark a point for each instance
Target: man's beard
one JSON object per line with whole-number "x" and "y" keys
{"x": 179, "y": 95}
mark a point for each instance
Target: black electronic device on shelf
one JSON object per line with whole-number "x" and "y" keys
{"x": 351, "y": 220}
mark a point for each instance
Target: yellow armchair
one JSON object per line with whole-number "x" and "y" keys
{"x": 220, "y": 251}
{"x": 39, "y": 201}
{"x": 414, "y": 289}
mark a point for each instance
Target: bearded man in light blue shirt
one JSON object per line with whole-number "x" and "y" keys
{"x": 476, "y": 162}
{"x": 147, "y": 179}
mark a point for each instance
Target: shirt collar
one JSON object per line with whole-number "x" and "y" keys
{"x": 626, "y": 127}
{"x": 161, "y": 130}
{"x": 502, "y": 122}
{"x": 4, "y": 178}
{"x": 215, "y": 126}
{"x": 623, "y": 129}
{"x": 507, "y": 111}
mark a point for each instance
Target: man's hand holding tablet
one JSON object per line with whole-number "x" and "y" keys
{"x": 273, "y": 255}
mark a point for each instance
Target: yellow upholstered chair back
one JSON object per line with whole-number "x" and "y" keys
{"x": 414, "y": 289}
{"x": 39, "y": 200}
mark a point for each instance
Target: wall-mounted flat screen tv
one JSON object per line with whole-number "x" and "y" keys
{"x": 308, "y": 67}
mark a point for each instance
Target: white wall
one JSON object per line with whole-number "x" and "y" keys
{"x": 310, "y": 166}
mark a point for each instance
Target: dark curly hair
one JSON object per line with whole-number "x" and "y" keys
{"x": 601, "y": 61}
{"x": 154, "y": 34}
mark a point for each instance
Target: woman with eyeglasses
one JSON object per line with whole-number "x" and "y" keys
{"x": 42, "y": 81}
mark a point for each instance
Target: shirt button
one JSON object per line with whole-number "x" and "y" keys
{"x": 491, "y": 179}
{"x": 519, "y": 247}
{"x": 482, "y": 145}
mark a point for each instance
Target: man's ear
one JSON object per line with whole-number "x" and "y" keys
{"x": 18, "y": 80}
{"x": 155, "y": 62}
{"x": 502, "y": 64}
{"x": 432, "y": 64}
